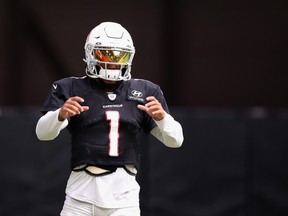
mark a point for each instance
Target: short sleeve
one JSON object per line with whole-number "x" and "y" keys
{"x": 59, "y": 93}
{"x": 149, "y": 123}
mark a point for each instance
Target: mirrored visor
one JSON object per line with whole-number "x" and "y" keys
{"x": 115, "y": 56}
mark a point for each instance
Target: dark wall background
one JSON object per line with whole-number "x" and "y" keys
{"x": 202, "y": 53}
{"x": 223, "y": 68}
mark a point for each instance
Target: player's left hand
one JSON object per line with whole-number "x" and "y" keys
{"x": 153, "y": 108}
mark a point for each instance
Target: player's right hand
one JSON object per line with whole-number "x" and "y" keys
{"x": 71, "y": 108}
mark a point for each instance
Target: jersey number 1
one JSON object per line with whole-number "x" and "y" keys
{"x": 113, "y": 146}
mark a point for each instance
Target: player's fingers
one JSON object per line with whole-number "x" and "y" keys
{"x": 151, "y": 98}
{"x": 77, "y": 99}
{"x": 152, "y": 101}
{"x": 153, "y": 106}
{"x": 80, "y": 100}
{"x": 150, "y": 104}
{"x": 71, "y": 108}
{"x": 85, "y": 108}
{"x": 148, "y": 110}
{"x": 157, "y": 112}
{"x": 155, "y": 109}
{"x": 74, "y": 104}
{"x": 67, "y": 112}
{"x": 143, "y": 108}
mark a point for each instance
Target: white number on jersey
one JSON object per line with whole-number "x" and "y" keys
{"x": 113, "y": 146}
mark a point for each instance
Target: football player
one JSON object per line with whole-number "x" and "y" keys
{"x": 105, "y": 111}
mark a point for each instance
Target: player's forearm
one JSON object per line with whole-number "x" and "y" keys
{"x": 169, "y": 132}
{"x": 48, "y": 126}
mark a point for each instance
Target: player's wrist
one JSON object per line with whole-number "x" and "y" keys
{"x": 61, "y": 117}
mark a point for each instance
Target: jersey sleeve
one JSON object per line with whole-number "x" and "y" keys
{"x": 160, "y": 97}
{"x": 149, "y": 124}
{"x": 59, "y": 93}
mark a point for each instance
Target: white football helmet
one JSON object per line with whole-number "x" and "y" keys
{"x": 109, "y": 52}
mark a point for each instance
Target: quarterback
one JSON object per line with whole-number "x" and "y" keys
{"x": 104, "y": 112}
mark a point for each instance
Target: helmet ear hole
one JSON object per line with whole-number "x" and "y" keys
{"x": 97, "y": 68}
{"x": 123, "y": 71}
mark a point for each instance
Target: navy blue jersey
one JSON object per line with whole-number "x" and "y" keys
{"x": 108, "y": 133}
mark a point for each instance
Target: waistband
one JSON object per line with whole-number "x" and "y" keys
{"x": 99, "y": 171}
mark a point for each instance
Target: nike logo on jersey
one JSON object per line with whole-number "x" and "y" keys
{"x": 54, "y": 86}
